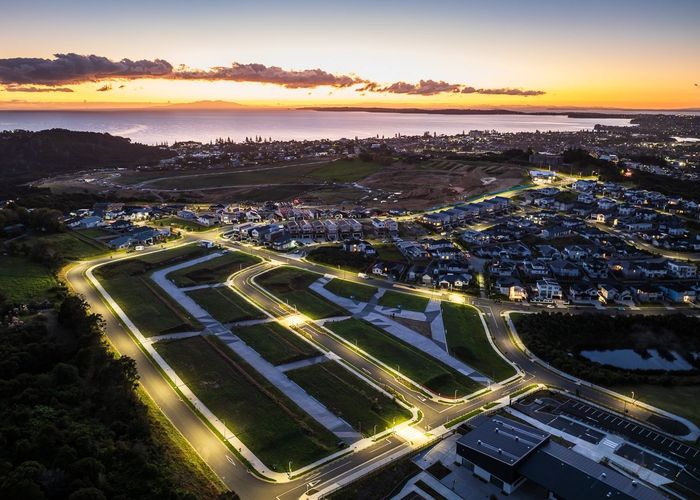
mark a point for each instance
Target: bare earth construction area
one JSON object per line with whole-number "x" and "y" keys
{"x": 407, "y": 185}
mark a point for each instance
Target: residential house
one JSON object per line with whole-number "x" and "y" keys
{"x": 678, "y": 293}
{"x": 681, "y": 270}
{"x": 549, "y": 289}
{"x": 564, "y": 269}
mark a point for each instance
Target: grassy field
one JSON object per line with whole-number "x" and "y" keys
{"x": 674, "y": 398}
{"x": 389, "y": 253}
{"x": 272, "y": 426}
{"x": 72, "y": 245}
{"x": 212, "y": 271}
{"x": 292, "y": 285}
{"x": 149, "y": 307}
{"x": 403, "y": 300}
{"x": 413, "y": 363}
{"x": 23, "y": 280}
{"x": 349, "y": 289}
{"x": 337, "y": 257}
{"x": 349, "y": 397}
{"x": 178, "y": 223}
{"x": 467, "y": 341}
{"x": 95, "y": 232}
{"x": 225, "y": 305}
{"x": 275, "y": 343}
{"x": 344, "y": 171}
{"x": 320, "y": 172}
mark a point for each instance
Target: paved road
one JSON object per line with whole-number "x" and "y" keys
{"x": 223, "y": 462}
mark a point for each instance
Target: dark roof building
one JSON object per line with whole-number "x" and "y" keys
{"x": 508, "y": 453}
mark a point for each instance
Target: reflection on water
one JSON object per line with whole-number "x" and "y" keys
{"x": 631, "y": 360}
{"x": 153, "y": 127}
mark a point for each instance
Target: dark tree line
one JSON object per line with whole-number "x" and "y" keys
{"x": 71, "y": 423}
{"x": 559, "y": 338}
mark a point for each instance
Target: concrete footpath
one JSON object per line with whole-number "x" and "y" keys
{"x": 271, "y": 373}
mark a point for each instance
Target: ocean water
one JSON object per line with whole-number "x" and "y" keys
{"x": 151, "y": 127}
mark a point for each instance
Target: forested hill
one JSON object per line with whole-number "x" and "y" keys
{"x": 25, "y": 155}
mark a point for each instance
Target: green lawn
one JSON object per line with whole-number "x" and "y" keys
{"x": 349, "y": 289}
{"x": 23, "y": 280}
{"x": 403, "y": 300}
{"x": 271, "y": 425}
{"x": 149, "y": 307}
{"x": 467, "y": 341}
{"x": 415, "y": 364}
{"x": 349, "y": 397}
{"x": 225, "y": 305}
{"x": 292, "y": 285}
{"x": 676, "y": 399}
{"x": 212, "y": 271}
{"x": 275, "y": 343}
{"x": 389, "y": 253}
{"x": 178, "y": 223}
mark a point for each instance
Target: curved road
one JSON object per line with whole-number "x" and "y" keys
{"x": 224, "y": 463}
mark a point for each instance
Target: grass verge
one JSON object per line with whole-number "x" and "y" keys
{"x": 270, "y": 425}
{"x": 672, "y": 398}
{"x": 350, "y": 290}
{"x": 212, "y": 271}
{"x": 403, "y": 301}
{"x": 275, "y": 343}
{"x": 362, "y": 406}
{"x": 468, "y": 342}
{"x": 224, "y": 304}
{"x": 149, "y": 307}
{"x": 292, "y": 285}
{"x": 415, "y": 364}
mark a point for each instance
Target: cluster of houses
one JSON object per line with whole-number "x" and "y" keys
{"x": 461, "y": 214}
{"x": 547, "y": 256}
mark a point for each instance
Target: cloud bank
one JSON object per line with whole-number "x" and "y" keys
{"x": 259, "y": 73}
{"x": 53, "y": 75}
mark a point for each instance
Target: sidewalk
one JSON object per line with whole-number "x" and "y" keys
{"x": 354, "y": 306}
{"x": 291, "y": 390}
{"x": 424, "y": 344}
{"x": 271, "y": 373}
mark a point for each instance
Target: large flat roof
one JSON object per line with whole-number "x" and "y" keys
{"x": 573, "y": 476}
{"x": 504, "y": 439}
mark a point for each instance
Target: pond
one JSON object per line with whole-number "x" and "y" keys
{"x": 631, "y": 360}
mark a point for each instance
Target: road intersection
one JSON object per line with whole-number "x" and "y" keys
{"x": 226, "y": 463}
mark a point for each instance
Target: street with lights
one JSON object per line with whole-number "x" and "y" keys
{"x": 433, "y": 413}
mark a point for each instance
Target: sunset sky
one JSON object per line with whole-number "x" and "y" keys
{"x": 614, "y": 53}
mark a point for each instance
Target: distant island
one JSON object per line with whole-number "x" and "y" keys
{"x": 457, "y": 111}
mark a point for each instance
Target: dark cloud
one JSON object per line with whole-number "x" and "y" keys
{"x": 432, "y": 87}
{"x": 423, "y": 87}
{"x": 259, "y": 73}
{"x": 31, "y": 88}
{"x": 51, "y": 75}
{"x": 75, "y": 68}
{"x": 506, "y": 91}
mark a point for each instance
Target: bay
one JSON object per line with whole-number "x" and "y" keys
{"x": 158, "y": 126}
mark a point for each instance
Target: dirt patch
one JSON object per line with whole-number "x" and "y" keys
{"x": 421, "y": 327}
{"x": 426, "y": 184}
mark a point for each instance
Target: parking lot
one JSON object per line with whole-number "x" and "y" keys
{"x": 631, "y": 431}
{"x": 574, "y": 429}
